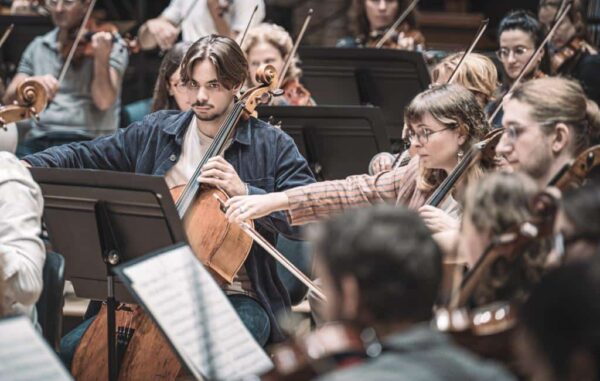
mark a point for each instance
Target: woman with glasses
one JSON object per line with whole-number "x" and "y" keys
{"x": 519, "y": 35}
{"x": 170, "y": 93}
{"x": 443, "y": 122}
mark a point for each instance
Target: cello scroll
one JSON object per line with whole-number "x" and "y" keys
{"x": 31, "y": 101}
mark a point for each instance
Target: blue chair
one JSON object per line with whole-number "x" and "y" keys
{"x": 49, "y": 306}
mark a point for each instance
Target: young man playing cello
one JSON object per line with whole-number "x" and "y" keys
{"x": 259, "y": 159}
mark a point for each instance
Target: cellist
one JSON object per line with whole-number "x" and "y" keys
{"x": 259, "y": 159}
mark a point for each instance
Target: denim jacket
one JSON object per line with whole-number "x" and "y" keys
{"x": 264, "y": 157}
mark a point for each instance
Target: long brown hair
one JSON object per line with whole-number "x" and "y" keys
{"x": 359, "y": 23}
{"x": 161, "y": 99}
{"x": 457, "y": 109}
{"x": 224, "y": 53}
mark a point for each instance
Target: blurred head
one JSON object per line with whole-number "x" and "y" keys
{"x": 378, "y": 265}
{"x": 443, "y": 123}
{"x": 67, "y": 14}
{"x": 557, "y": 336}
{"x": 372, "y": 15}
{"x": 573, "y": 25}
{"x": 578, "y": 223}
{"x": 170, "y": 93}
{"x": 493, "y": 205}
{"x": 213, "y": 70}
{"x": 541, "y": 136}
{"x": 269, "y": 44}
{"x": 477, "y": 74}
{"x": 519, "y": 35}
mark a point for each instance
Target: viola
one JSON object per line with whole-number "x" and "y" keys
{"x": 84, "y": 47}
{"x": 575, "y": 172}
{"x": 574, "y": 48}
{"x": 330, "y": 347}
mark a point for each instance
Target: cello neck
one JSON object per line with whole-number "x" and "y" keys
{"x": 216, "y": 148}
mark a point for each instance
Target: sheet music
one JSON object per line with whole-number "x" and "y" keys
{"x": 195, "y": 314}
{"x": 25, "y": 356}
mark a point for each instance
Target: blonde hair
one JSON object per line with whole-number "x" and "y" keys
{"x": 456, "y": 108}
{"x": 559, "y": 100}
{"x": 280, "y": 39}
{"x": 499, "y": 201}
{"x": 477, "y": 74}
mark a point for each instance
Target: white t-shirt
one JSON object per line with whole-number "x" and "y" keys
{"x": 198, "y": 23}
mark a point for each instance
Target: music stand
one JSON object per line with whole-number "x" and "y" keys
{"x": 386, "y": 78}
{"x": 336, "y": 141}
{"x": 100, "y": 219}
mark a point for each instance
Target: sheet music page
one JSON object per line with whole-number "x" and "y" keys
{"x": 195, "y": 314}
{"x": 25, "y": 355}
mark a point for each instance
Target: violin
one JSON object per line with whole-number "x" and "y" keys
{"x": 574, "y": 48}
{"x": 296, "y": 94}
{"x": 392, "y": 42}
{"x": 328, "y": 348}
{"x": 481, "y": 312}
{"x": 575, "y": 172}
{"x": 142, "y": 351}
{"x": 84, "y": 47}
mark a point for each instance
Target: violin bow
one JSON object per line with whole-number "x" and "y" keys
{"x": 6, "y": 34}
{"x": 78, "y": 38}
{"x": 482, "y": 28}
{"x": 549, "y": 35}
{"x": 259, "y": 239}
{"x": 248, "y": 26}
{"x": 390, "y": 32}
{"x": 292, "y": 53}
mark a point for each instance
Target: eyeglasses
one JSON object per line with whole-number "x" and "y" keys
{"x": 187, "y": 88}
{"x": 65, "y": 3}
{"x": 519, "y": 52}
{"x": 423, "y": 137}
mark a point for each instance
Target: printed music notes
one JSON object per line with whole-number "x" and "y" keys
{"x": 25, "y": 356}
{"x": 195, "y": 315}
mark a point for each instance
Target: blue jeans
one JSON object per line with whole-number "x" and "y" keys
{"x": 253, "y": 315}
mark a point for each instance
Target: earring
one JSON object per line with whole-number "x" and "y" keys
{"x": 460, "y": 155}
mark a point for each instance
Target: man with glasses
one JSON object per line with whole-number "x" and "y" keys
{"x": 86, "y": 103}
{"x": 547, "y": 123}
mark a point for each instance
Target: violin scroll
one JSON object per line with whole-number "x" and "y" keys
{"x": 31, "y": 101}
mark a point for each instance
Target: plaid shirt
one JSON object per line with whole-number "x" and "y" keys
{"x": 319, "y": 200}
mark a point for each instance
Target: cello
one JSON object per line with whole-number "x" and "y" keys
{"x": 142, "y": 351}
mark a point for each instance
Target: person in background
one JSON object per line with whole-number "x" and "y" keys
{"x": 198, "y": 18}
{"x": 370, "y": 19}
{"x": 87, "y": 102}
{"x": 519, "y": 35}
{"x": 571, "y": 52}
{"x": 557, "y": 330}
{"x": 271, "y": 44}
{"x": 381, "y": 270}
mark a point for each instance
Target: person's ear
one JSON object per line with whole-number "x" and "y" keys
{"x": 562, "y": 137}
{"x": 462, "y": 139}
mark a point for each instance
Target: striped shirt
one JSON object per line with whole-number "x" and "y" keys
{"x": 312, "y": 202}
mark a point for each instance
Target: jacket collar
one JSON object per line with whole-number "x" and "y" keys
{"x": 179, "y": 126}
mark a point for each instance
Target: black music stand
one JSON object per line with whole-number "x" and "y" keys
{"x": 386, "y": 78}
{"x": 336, "y": 141}
{"x": 100, "y": 219}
